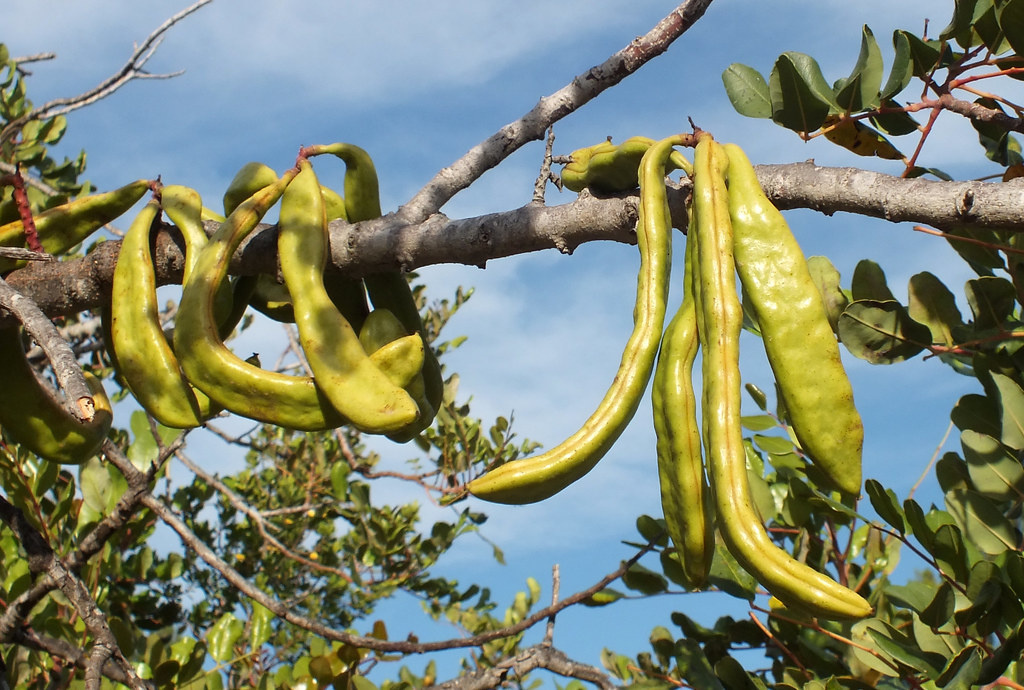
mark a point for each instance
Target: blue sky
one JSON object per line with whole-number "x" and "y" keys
{"x": 417, "y": 84}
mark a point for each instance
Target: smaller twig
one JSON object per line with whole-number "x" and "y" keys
{"x": 9, "y": 168}
{"x": 132, "y": 69}
{"x": 538, "y": 656}
{"x": 60, "y": 649}
{"x": 545, "y": 174}
{"x": 35, "y": 57}
{"x": 549, "y": 633}
{"x": 781, "y": 646}
{"x": 968, "y": 240}
{"x": 818, "y": 628}
{"x": 927, "y": 472}
{"x": 258, "y": 519}
{"x": 21, "y": 254}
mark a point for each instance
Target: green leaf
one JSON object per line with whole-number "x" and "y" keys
{"x": 1008, "y": 651}
{"x": 339, "y": 481}
{"x": 951, "y": 473}
{"x": 925, "y": 56}
{"x": 800, "y": 96}
{"x": 942, "y": 640}
{"x": 727, "y": 575}
{"x": 828, "y": 503}
{"x": 757, "y": 395}
{"x": 934, "y": 305}
{"x": 977, "y": 248}
{"x": 867, "y": 651}
{"x": 221, "y": 637}
{"x": 991, "y": 299}
{"x": 885, "y": 503}
{"x": 882, "y": 332}
{"x": 963, "y": 670}
{"x": 994, "y": 472}
{"x": 747, "y": 91}
{"x": 977, "y": 413}
{"x": 672, "y": 568}
{"x": 1011, "y": 20}
{"x": 732, "y": 674}
{"x": 950, "y": 552}
{"x": 986, "y": 27}
{"x": 960, "y": 26}
{"x": 940, "y": 609}
{"x": 902, "y": 67}
{"x": 915, "y": 596}
{"x": 918, "y": 524}
{"x": 859, "y": 91}
{"x": 1000, "y": 146}
{"x": 96, "y": 484}
{"x": 652, "y": 529}
{"x": 904, "y": 651}
{"x": 982, "y": 522}
{"x": 143, "y": 450}
{"x": 761, "y": 422}
{"x": 1011, "y": 403}
{"x": 214, "y": 681}
{"x": 603, "y": 597}
{"x": 776, "y": 445}
{"x": 362, "y": 683}
{"x": 826, "y": 278}
{"x": 260, "y": 626}
{"x": 894, "y": 123}
{"x": 643, "y": 580}
{"x": 869, "y": 282}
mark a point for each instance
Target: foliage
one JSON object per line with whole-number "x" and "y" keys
{"x": 982, "y": 42}
{"x": 27, "y": 145}
{"x": 300, "y": 521}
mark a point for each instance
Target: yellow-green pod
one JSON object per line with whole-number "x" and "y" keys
{"x": 801, "y": 347}
{"x": 294, "y": 402}
{"x": 389, "y": 290}
{"x": 31, "y": 415}
{"x": 685, "y": 499}
{"x": 62, "y": 227}
{"x": 607, "y": 168}
{"x": 533, "y": 479}
{"x": 141, "y": 350}
{"x": 343, "y": 371}
{"x": 792, "y": 582}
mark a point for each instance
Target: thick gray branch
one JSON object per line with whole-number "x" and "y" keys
{"x": 388, "y": 243}
{"x": 928, "y": 202}
{"x": 550, "y": 109}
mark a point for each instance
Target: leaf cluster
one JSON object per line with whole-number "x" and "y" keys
{"x": 26, "y": 145}
{"x": 860, "y": 112}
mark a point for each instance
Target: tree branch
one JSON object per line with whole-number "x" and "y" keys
{"x": 14, "y": 615}
{"x": 28, "y": 638}
{"x": 132, "y": 69}
{"x": 282, "y": 611}
{"x": 43, "y": 561}
{"x": 388, "y": 243}
{"x": 550, "y": 109}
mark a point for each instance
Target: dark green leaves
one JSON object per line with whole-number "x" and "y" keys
{"x": 860, "y": 90}
{"x": 882, "y": 332}
{"x": 747, "y": 90}
{"x": 800, "y": 96}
